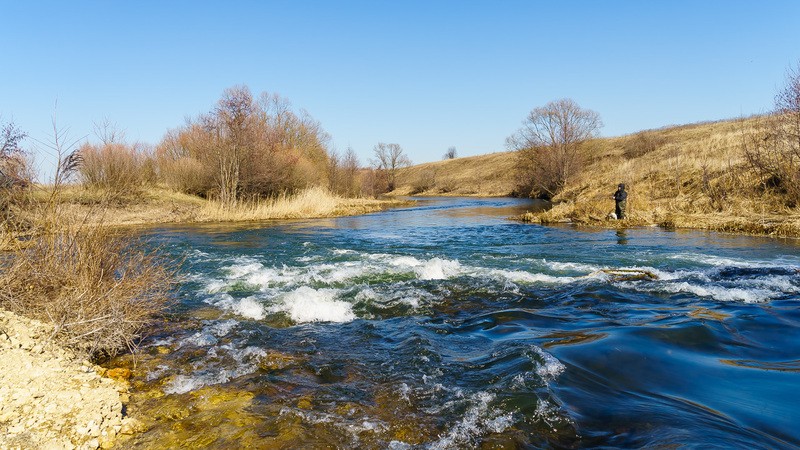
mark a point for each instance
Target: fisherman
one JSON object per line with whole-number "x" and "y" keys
{"x": 621, "y": 199}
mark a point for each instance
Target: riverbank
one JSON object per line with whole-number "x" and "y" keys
{"x": 51, "y": 399}
{"x": 158, "y": 205}
{"x": 693, "y": 176}
{"x": 774, "y": 225}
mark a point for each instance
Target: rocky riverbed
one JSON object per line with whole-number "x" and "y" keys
{"x": 50, "y": 398}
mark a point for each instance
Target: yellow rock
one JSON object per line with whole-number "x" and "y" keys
{"x": 304, "y": 403}
{"x": 131, "y": 425}
{"x": 119, "y": 373}
{"x": 277, "y": 361}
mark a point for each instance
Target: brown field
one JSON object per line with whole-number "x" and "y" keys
{"x": 690, "y": 176}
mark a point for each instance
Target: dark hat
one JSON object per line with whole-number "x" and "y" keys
{"x": 621, "y": 185}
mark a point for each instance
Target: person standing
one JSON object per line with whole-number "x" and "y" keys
{"x": 621, "y": 199}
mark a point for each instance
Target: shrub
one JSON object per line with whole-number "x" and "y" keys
{"x": 98, "y": 288}
{"x": 185, "y": 174}
{"x": 116, "y": 167}
{"x": 642, "y": 143}
{"x": 425, "y": 182}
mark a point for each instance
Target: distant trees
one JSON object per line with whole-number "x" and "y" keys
{"x": 773, "y": 152}
{"x": 451, "y": 153}
{"x": 389, "y": 158}
{"x": 550, "y": 145}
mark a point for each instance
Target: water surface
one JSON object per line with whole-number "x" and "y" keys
{"x": 445, "y": 325}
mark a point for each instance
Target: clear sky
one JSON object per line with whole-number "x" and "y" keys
{"x": 427, "y": 75}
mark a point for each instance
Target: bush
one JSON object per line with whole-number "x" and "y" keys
{"x": 119, "y": 168}
{"x": 100, "y": 290}
{"x": 642, "y": 143}
{"x": 185, "y": 174}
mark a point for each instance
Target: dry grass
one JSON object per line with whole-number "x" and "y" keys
{"x": 314, "y": 202}
{"x": 690, "y": 176}
{"x": 485, "y": 175}
{"x": 100, "y": 288}
{"x": 159, "y": 205}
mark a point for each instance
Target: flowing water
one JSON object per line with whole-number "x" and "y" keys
{"x": 445, "y": 325}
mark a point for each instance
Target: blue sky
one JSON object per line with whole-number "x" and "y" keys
{"x": 426, "y": 75}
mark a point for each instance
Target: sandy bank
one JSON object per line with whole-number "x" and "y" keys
{"x": 49, "y": 399}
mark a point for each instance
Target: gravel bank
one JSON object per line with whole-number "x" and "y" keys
{"x": 49, "y": 399}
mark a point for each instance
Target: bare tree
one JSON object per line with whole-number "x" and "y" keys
{"x": 389, "y": 158}
{"x": 550, "y": 145}
{"x": 350, "y": 168}
{"x": 232, "y": 116}
{"x": 108, "y": 132}
{"x": 773, "y": 150}
{"x": 10, "y": 138}
{"x": 451, "y": 153}
{"x": 12, "y": 169}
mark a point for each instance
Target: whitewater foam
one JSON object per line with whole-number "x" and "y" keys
{"x": 437, "y": 269}
{"x": 479, "y": 418}
{"x": 306, "y": 304}
{"x": 210, "y": 371}
{"x": 720, "y": 293}
{"x": 550, "y": 368}
{"x": 519, "y": 276}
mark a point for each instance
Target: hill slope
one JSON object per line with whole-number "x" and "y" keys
{"x": 692, "y": 176}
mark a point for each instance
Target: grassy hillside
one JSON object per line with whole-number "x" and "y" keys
{"x": 691, "y": 176}
{"x": 485, "y": 175}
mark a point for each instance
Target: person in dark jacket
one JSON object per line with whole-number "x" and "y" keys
{"x": 621, "y": 199}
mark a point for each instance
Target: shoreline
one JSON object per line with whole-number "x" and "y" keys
{"x": 770, "y": 226}
{"x": 53, "y": 399}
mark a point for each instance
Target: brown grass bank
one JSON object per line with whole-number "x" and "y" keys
{"x": 160, "y": 205}
{"x": 691, "y": 176}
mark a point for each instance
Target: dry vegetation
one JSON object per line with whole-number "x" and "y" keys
{"x": 100, "y": 288}
{"x": 485, "y": 176}
{"x": 157, "y": 205}
{"x": 691, "y": 176}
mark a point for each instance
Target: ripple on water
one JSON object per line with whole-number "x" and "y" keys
{"x": 387, "y": 333}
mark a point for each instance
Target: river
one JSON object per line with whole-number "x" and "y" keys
{"x": 445, "y": 325}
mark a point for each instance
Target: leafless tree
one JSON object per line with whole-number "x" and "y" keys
{"x": 550, "y": 145}
{"x": 451, "y": 153}
{"x": 389, "y": 158}
{"x": 12, "y": 169}
{"x": 108, "y": 132}
{"x": 773, "y": 150}
{"x": 10, "y": 138}
{"x": 232, "y": 117}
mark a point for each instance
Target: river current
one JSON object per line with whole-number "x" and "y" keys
{"x": 445, "y": 325}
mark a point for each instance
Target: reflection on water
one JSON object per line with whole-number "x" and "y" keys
{"x": 444, "y": 325}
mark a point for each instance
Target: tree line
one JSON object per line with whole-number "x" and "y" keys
{"x": 245, "y": 147}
